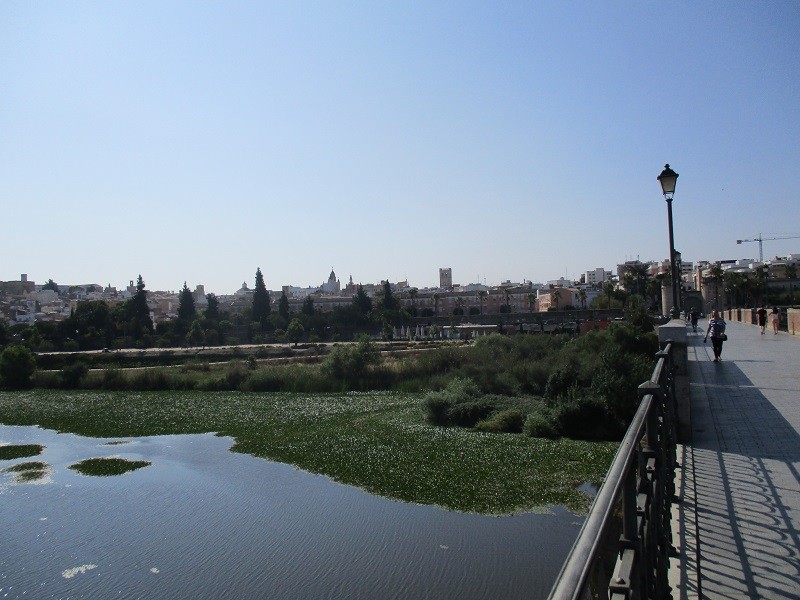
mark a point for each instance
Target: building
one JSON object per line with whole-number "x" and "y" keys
{"x": 446, "y": 278}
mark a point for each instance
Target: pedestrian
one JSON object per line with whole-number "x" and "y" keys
{"x": 762, "y": 318}
{"x": 694, "y": 316}
{"x": 776, "y": 319}
{"x": 716, "y": 327}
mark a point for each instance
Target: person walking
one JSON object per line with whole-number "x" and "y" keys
{"x": 762, "y": 318}
{"x": 694, "y": 316}
{"x": 716, "y": 327}
{"x": 776, "y": 319}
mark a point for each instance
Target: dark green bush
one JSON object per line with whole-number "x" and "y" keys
{"x": 437, "y": 404}
{"x": 17, "y": 365}
{"x": 507, "y": 421}
{"x": 586, "y": 418}
{"x": 540, "y": 425}
{"x": 467, "y": 414}
{"x": 72, "y": 375}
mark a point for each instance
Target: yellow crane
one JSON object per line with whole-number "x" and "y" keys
{"x": 760, "y": 239}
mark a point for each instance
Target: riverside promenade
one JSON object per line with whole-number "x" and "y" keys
{"x": 737, "y": 525}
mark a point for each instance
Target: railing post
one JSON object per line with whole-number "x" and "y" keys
{"x": 675, "y": 332}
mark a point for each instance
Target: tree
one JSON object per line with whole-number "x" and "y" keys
{"x": 295, "y": 331}
{"x": 196, "y": 335}
{"x": 412, "y": 293}
{"x": 531, "y": 301}
{"x": 361, "y": 301}
{"x": 716, "y": 276}
{"x": 459, "y": 309}
{"x": 261, "y": 302}
{"x": 212, "y": 308}
{"x": 791, "y": 275}
{"x": 388, "y": 301}
{"x": 436, "y": 298}
{"x": 50, "y": 285}
{"x": 90, "y": 324}
{"x": 17, "y": 366}
{"x": 608, "y": 288}
{"x": 186, "y": 308}
{"x": 136, "y": 313}
{"x": 283, "y": 307}
{"x": 582, "y": 297}
{"x": 308, "y": 306}
{"x": 507, "y": 298}
{"x": 555, "y": 297}
{"x": 481, "y": 297}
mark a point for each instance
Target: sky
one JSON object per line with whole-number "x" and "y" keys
{"x": 198, "y": 141}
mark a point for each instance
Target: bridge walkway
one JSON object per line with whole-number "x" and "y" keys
{"x": 737, "y": 525}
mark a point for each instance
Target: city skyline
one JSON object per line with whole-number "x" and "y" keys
{"x": 515, "y": 142}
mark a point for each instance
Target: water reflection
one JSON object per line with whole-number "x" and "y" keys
{"x": 203, "y": 522}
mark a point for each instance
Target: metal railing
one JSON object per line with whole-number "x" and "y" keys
{"x": 633, "y": 503}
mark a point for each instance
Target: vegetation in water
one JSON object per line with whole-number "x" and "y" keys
{"x": 106, "y": 467}
{"x": 377, "y": 441}
{"x": 28, "y": 471}
{"x": 495, "y": 426}
{"x": 12, "y": 451}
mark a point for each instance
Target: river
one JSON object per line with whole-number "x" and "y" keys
{"x": 203, "y": 522}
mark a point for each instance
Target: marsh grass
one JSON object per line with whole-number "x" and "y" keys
{"x": 13, "y": 451}
{"x": 378, "y": 441}
{"x": 107, "y": 467}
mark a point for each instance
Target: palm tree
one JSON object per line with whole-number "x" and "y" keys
{"x": 481, "y": 297}
{"x": 413, "y": 294}
{"x": 791, "y": 275}
{"x": 608, "y": 288}
{"x": 555, "y": 297}
{"x": 436, "y": 297}
{"x": 716, "y": 276}
{"x": 507, "y": 296}
{"x": 582, "y": 297}
{"x": 531, "y": 301}
{"x": 459, "y": 306}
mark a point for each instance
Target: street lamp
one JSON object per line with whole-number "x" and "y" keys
{"x": 668, "y": 179}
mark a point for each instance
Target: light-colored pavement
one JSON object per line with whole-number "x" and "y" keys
{"x": 737, "y": 527}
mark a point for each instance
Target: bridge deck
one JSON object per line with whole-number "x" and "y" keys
{"x": 737, "y": 525}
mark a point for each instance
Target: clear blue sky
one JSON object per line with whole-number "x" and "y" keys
{"x": 197, "y": 141}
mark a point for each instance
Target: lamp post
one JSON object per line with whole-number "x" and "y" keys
{"x": 668, "y": 179}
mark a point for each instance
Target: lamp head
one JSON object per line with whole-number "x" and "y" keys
{"x": 668, "y": 179}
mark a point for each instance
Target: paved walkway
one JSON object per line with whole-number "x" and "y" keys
{"x": 738, "y": 522}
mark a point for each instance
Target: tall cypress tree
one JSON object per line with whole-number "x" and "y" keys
{"x": 361, "y": 301}
{"x": 139, "y": 313}
{"x": 283, "y": 306}
{"x": 186, "y": 308}
{"x": 261, "y": 305}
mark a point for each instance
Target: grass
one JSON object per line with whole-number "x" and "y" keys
{"x": 378, "y": 441}
{"x": 106, "y": 467}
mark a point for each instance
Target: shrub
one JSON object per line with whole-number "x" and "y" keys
{"x": 350, "y": 362}
{"x": 507, "y": 421}
{"x": 17, "y": 365}
{"x": 540, "y": 425}
{"x": 585, "y": 418}
{"x": 72, "y": 375}
{"x": 559, "y": 382}
{"x": 467, "y": 414}
{"x": 437, "y": 404}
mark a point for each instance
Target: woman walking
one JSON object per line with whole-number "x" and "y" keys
{"x": 716, "y": 327}
{"x": 776, "y": 319}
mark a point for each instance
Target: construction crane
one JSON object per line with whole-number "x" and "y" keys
{"x": 760, "y": 239}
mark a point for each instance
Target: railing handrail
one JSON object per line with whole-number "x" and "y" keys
{"x": 577, "y": 569}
